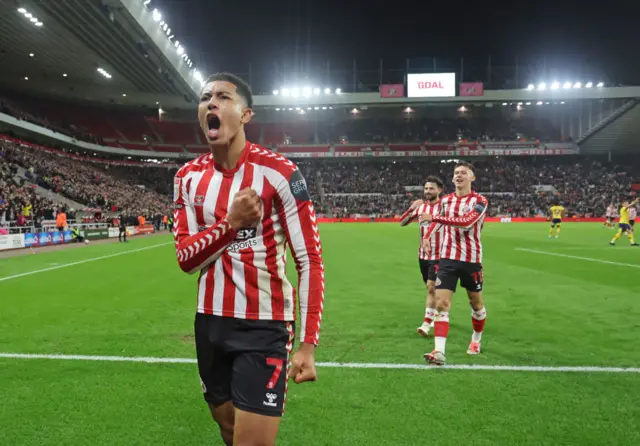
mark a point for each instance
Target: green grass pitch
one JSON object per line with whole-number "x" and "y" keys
{"x": 569, "y": 309}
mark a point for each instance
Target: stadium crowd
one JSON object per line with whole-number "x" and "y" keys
{"x": 89, "y": 184}
{"x": 19, "y": 202}
{"x": 585, "y": 186}
{"x": 515, "y": 186}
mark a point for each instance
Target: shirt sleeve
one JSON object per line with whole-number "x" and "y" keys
{"x": 296, "y": 211}
{"x": 467, "y": 220}
{"x": 196, "y": 250}
{"x": 410, "y": 215}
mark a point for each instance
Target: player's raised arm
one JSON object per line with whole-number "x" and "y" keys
{"x": 410, "y": 214}
{"x": 467, "y": 220}
{"x": 195, "y": 250}
{"x": 299, "y": 222}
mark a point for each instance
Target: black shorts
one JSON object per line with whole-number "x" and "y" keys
{"x": 428, "y": 269}
{"x": 450, "y": 271}
{"x": 556, "y": 221}
{"x": 244, "y": 361}
{"x": 632, "y": 222}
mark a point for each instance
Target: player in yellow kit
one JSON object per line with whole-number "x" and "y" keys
{"x": 623, "y": 223}
{"x": 557, "y": 212}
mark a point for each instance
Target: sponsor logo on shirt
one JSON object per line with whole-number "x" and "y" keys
{"x": 298, "y": 186}
{"x": 244, "y": 239}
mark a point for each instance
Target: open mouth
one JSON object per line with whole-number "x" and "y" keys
{"x": 213, "y": 122}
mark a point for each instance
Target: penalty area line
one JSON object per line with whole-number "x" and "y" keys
{"x": 346, "y": 365}
{"x": 568, "y": 256}
{"x": 80, "y": 262}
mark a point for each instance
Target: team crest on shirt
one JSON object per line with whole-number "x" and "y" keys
{"x": 466, "y": 209}
{"x": 199, "y": 200}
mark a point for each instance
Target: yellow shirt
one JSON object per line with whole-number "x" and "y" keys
{"x": 556, "y": 211}
{"x": 624, "y": 216}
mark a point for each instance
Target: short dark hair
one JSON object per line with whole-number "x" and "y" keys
{"x": 244, "y": 90}
{"x": 436, "y": 180}
{"x": 466, "y": 164}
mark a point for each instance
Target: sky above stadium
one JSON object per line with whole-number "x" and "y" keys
{"x": 228, "y": 35}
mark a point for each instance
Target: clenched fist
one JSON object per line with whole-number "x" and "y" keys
{"x": 246, "y": 209}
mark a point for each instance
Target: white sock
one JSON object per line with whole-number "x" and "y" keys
{"x": 430, "y": 313}
{"x": 441, "y": 341}
{"x": 479, "y": 315}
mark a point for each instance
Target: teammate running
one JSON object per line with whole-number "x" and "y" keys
{"x": 428, "y": 261}
{"x": 462, "y": 217}
{"x": 236, "y": 210}
{"x": 624, "y": 223}
{"x": 557, "y": 212}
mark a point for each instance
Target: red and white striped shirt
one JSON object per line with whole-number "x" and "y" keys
{"x": 413, "y": 215}
{"x": 242, "y": 272}
{"x": 462, "y": 219}
{"x": 633, "y": 212}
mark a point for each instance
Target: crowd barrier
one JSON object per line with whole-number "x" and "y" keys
{"x": 488, "y": 219}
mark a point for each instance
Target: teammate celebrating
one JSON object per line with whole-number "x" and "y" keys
{"x": 610, "y": 216}
{"x": 462, "y": 217}
{"x": 624, "y": 224}
{"x": 557, "y": 212}
{"x": 236, "y": 209}
{"x": 427, "y": 258}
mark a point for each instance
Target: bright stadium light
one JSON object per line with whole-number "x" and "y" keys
{"x": 38, "y": 24}
{"x": 588, "y": 85}
{"x": 197, "y": 76}
{"x": 156, "y": 15}
{"x": 306, "y": 92}
{"x": 164, "y": 25}
{"x": 180, "y": 50}
{"x": 338, "y": 90}
{"x": 504, "y": 104}
{"x": 316, "y": 108}
{"x": 28, "y": 15}
{"x": 176, "y": 43}
{"x": 566, "y": 85}
{"x": 276, "y": 92}
{"x": 295, "y": 92}
{"x": 531, "y": 87}
{"x": 64, "y": 75}
{"x": 528, "y": 103}
{"x": 577, "y": 85}
{"x": 562, "y": 102}
{"x": 600, "y": 84}
{"x": 542, "y": 86}
{"x": 290, "y": 109}
{"x": 33, "y": 20}
{"x": 297, "y": 108}
{"x": 539, "y": 103}
{"x": 302, "y": 112}
{"x": 22, "y": 10}
{"x": 26, "y": 78}
{"x": 555, "y": 85}
{"x": 168, "y": 31}
{"x": 316, "y": 91}
{"x": 146, "y": 2}
{"x": 327, "y": 91}
{"x": 324, "y": 108}
{"x": 285, "y": 92}
{"x": 308, "y": 108}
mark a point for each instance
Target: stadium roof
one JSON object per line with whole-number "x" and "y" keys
{"x": 57, "y": 48}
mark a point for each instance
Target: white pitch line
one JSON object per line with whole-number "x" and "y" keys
{"x": 347, "y": 365}
{"x": 588, "y": 259}
{"x": 80, "y": 262}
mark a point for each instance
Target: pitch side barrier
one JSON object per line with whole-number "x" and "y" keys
{"x": 489, "y": 219}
